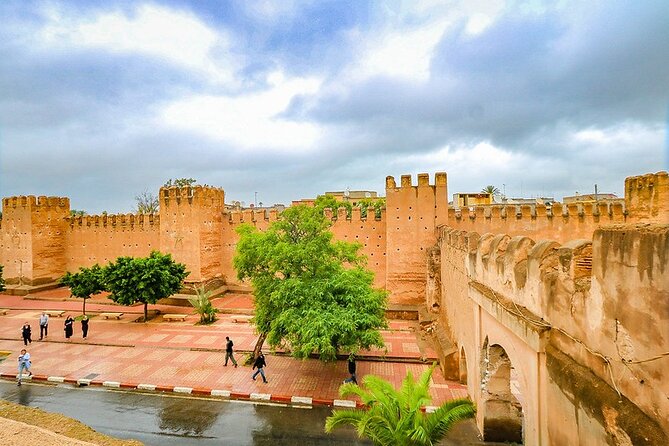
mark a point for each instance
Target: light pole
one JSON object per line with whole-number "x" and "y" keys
{"x": 255, "y": 199}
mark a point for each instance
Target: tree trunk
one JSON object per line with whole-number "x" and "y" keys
{"x": 146, "y": 311}
{"x": 84, "y": 310}
{"x": 258, "y": 347}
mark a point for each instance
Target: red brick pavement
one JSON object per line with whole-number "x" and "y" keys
{"x": 186, "y": 355}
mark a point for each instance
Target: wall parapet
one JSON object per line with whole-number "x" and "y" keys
{"x": 202, "y": 195}
{"x": 112, "y": 220}
{"x": 36, "y": 203}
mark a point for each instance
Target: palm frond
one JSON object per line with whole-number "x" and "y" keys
{"x": 341, "y": 417}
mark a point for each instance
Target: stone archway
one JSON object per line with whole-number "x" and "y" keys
{"x": 463, "y": 366}
{"x": 501, "y": 399}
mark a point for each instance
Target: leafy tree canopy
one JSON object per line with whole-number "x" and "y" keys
{"x": 328, "y": 201}
{"x": 144, "y": 279}
{"x": 180, "y": 182}
{"x": 77, "y": 213}
{"x": 312, "y": 294}
{"x": 85, "y": 283}
{"x": 147, "y": 203}
{"x": 376, "y": 203}
{"x": 394, "y": 417}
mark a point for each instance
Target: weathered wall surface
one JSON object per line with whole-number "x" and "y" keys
{"x": 647, "y": 197}
{"x": 413, "y": 214}
{"x": 584, "y": 321}
{"x": 101, "y": 239}
{"x": 190, "y": 226}
{"x": 33, "y": 238}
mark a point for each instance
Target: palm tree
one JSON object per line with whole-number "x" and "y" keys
{"x": 394, "y": 417}
{"x": 490, "y": 189}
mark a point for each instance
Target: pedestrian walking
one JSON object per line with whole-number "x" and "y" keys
{"x": 260, "y": 365}
{"x": 351, "y": 369}
{"x": 84, "y": 325}
{"x": 26, "y": 333}
{"x": 69, "y": 322}
{"x": 43, "y": 325}
{"x": 228, "y": 351}
{"x": 24, "y": 364}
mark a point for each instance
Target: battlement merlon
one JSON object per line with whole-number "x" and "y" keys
{"x": 106, "y": 220}
{"x": 202, "y": 195}
{"x": 41, "y": 203}
{"x": 647, "y": 197}
{"x": 440, "y": 179}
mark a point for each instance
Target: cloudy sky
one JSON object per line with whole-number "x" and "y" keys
{"x": 101, "y": 100}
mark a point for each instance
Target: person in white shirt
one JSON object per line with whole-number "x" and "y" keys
{"x": 43, "y": 325}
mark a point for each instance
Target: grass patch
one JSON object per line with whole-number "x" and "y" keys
{"x": 59, "y": 424}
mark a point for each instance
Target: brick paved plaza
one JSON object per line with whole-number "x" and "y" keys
{"x": 183, "y": 354}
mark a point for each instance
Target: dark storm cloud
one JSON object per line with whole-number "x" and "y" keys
{"x": 523, "y": 75}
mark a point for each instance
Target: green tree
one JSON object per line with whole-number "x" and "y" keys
{"x": 85, "y": 283}
{"x": 376, "y": 203}
{"x": 144, "y": 279}
{"x": 2, "y": 280}
{"x": 180, "y": 182}
{"x": 328, "y": 201}
{"x": 147, "y": 203}
{"x": 203, "y": 305}
{"x": 77, "y": 213}
{"x": 394, "y": 417}
{"x": 312, "y": 294}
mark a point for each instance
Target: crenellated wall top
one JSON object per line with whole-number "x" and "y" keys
{"x": 114, "y": 220}
{"x": 423, "y": 180}
{"x": 38, "y": 204}
{"x": 203, "y": 195}
{"x": 614, "y": 210}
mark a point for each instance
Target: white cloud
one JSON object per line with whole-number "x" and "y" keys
{"x": 404, "y": 47}
{"x": 271, "y": 10}
{"x": 250, "y": 121}
{"x": 177, "y": 37}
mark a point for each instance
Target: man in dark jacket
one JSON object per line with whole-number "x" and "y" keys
{"x": 351, "y": 370}
{"x": 260, "y": 365}
{"x": 228, "y": 351}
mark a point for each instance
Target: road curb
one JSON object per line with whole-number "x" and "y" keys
{"x": 218, "y": 393}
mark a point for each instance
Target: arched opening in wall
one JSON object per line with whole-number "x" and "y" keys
{"x": 501, "y": 399}
{"x": 463, "y": 366}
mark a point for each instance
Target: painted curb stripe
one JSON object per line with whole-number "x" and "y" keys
{"x": 187, "y": 390}
{"x": 56, "y": 379}
{"x": 261, "y": 396}
{"x": 114, "y": 384}
{"x": 83, "y": 382}
{"x": 146, "y": 387}
{"x": 301, "y": 400}
{"x": 224, "y": 393}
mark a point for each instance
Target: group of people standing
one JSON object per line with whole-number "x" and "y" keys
{"x": 26, "y": 330}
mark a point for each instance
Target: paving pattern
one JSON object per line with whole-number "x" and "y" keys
{"x": 183, "y": 354}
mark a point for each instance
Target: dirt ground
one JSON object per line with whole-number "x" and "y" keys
{"x": 29, "y": 426}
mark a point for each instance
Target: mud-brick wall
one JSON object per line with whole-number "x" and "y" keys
{"x": 32, "y": 238}
{"x": 413, "y": 215}
{"x": 101, "y": 239}
{"x": 369, "y": 232}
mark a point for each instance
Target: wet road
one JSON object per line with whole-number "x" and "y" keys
{"x": 171, "y": 420}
